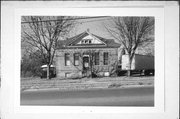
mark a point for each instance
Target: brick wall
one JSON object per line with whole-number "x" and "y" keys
{"x": 76, "y": 71}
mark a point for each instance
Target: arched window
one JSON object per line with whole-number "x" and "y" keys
{"x": 86, "y": 41}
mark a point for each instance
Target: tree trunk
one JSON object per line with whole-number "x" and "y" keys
{"x": 91, "y": 66}
{"x": 48, "y": 71}
{"x": 129, "y": 67}
{"x": 129, "y": 73}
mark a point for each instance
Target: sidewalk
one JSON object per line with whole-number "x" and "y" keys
{"x": 85, "y": 83}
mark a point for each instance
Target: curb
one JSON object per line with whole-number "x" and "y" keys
{"x": 40, "y": 89}
{"x": 53, "y": 89}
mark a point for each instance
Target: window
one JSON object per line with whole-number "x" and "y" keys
{"x": 67, "y": 59}
{"x": 67, "y": 75}
{"x": 86, "y": 41}
{"x": 76, "y": 59}
{"x": 97, "y": 58}
{"x": 105, "y": 56}
{"x": 82, "y": 42}
{"x": 89, "y": 41}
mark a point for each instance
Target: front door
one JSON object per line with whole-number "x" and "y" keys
{"x": 85, "y": 63}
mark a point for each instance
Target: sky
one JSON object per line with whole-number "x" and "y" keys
{"x": 95, "y": 26}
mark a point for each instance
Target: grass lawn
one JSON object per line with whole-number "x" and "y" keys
{"x": 84, "y": 83}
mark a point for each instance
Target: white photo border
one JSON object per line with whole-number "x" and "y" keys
{"x": 166, "y": 56}
{"x": 157, "y": 13}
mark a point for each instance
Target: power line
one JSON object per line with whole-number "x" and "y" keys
{"x": 65, "y": 19}
{"x": 91, "y": 21}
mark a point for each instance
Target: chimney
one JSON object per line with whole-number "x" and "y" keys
{"x": 88, "y": 30}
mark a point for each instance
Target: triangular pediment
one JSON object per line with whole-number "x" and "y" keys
{"x": 89, "y": 39}
{"x": 86, "y": 39}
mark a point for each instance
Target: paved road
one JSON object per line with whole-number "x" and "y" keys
{"x": 142, "y": 96}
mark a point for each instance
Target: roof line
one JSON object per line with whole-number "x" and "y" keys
{"x": 76, "y": 38}
{"x": 95, "y": 37}
{"x": 82, "y": 47}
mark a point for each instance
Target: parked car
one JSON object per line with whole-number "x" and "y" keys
{"x": 52, "y": 72}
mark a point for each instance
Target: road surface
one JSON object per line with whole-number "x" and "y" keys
{"x": 141, "y": 96}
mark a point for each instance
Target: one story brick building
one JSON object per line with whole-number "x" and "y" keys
{"x": 85, "y": 53}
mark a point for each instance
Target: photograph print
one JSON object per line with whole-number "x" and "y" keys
{"x": 87, "y": 61}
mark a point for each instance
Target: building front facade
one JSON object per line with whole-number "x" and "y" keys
{"x": 84, "y": 55}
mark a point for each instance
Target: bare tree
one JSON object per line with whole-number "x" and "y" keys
{"x": 132, "y": 32}
{"x": 43, "y": 32}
